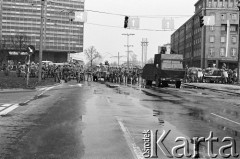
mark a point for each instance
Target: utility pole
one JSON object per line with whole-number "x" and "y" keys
{"x": 128, "y": 48}
{"x": 118, "y": 58}
{"x": 144, "y": 44}
{"x": 238, "y": 61}
{"x": 41, "y": 41}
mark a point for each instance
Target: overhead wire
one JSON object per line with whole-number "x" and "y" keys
{"x": 129, "y": 28}
{"x": 117, "y": 14}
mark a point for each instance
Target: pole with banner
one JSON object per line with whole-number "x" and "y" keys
{"x": 28, "y": 68}
{"x": 30, "y": 50}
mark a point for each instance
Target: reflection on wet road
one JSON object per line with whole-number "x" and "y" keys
{"x": 95, "y": 121}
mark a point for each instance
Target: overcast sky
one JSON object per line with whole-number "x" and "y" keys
{"x": 109, "y": 40}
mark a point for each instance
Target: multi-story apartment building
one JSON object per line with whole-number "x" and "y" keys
{"x": 20, "y": 26}
{"x": 208, "y": 45}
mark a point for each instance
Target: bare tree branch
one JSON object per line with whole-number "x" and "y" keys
{"x": 92, "y": 54}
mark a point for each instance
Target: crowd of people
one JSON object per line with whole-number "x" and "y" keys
{"x": 65, "y": 71}
{"x": 117, "y": 74}
{"x": 68, "y": 71}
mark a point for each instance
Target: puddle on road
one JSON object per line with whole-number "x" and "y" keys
{"x": 157, "y": 112}
{"x": 97, "y": 91}
{"x": 151, "y": 100}
{"x": 229, "y": 130}
{"x": 234, "y": 114}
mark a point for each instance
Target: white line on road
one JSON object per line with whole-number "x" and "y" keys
{"x": 136, "y": 151}
{"x": 226, "y": 119}
{"x": 6, "y": 111}
{"x": 6, "y": 105}
{"x": 1, "y": 108}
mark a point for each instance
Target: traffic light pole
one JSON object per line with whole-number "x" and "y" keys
{"x": 41, "y": 42}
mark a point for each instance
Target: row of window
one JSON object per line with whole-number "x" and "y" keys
{"x": 77, "y": 31}
{"x": 223, "y": 39}
{"x": 28, "y": 19}
{"x": 65, "y": 4}
{"x": 232, "y": 15}
{"x": 222, "y": 52}
{"x": 197, "y": 53}
{"x": 222, "y": 3}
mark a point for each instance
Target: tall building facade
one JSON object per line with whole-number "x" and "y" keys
{"x": 20, "y": 26}
{"x": 208, "y": 45}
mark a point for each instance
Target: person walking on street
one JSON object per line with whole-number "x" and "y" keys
{"x": 56, "y": 70}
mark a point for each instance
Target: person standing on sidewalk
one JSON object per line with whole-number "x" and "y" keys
{"x": 18, "y": 71}
{"x": 89, "y": 74}
{"x": 56, "y": 70}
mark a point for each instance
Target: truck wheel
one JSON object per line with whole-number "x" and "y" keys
{"x": 164, "y": 83}
{"x": 178, "y": 84}
{"x": 149, "y": 83}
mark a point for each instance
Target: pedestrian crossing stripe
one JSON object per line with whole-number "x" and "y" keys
{"x": 11, "y": 107}
{"x": 6, "y": 105}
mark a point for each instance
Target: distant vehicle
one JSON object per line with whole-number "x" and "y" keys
{"x": 215, "y": 77}
{"x": 59, "y": 64}
{"x": 47, "y": 62}
{"x": 167, "y": 68}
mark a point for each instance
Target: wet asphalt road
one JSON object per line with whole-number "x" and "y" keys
{"x": 91, "y": 120}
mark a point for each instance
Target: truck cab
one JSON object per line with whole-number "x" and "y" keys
{"x": 167, "y": 68}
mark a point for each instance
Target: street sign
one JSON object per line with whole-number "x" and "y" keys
{"x": 80, "y": 16}
{"x": 209, "y": 20}
{"x": 168, "y": 23}
{"x": 133, "y": 23}
{"x": 30, "y": 49}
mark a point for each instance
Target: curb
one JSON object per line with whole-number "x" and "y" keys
{"x": 214, "y": 89}
{"x": 17, "y": 90}
{"x": 43, "y": 90}
{"x": 43, "y": 87}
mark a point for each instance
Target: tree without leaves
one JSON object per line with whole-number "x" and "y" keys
{"x": 92, "y": 54}
{"x": 150, "y": 61}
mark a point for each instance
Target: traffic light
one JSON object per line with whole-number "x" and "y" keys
{"x": 201, "y": 21}
{"x": 126, "y": 22}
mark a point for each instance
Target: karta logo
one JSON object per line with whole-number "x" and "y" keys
{"x": 152, "y": 143}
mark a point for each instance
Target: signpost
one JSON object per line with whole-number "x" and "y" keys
{"x": 81, "y": 16}
{"x": 30, "y": 51}
{"x": 133, "y": 23}
{"x": 168, "y": 24}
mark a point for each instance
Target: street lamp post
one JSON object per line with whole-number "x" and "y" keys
{"x": 238, "y": 61}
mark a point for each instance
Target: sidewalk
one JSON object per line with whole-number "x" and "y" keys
{"x": 213, "y": 86}
{"x": 216, "y": 86}
{"x": 16, "y": 90}
{"x": 14, "y": 96}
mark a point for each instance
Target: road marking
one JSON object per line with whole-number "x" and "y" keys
{"x": 6, "y": 105}
{"x": 6, "y": 111}
{"x": 45, "y": 90}
{"x": 226, "y": 119}
{"x": 1, "y": 108}
{"x": 136, "y": 151}
{"x": 108, "y": 100}
{"x": 79, "y": 85}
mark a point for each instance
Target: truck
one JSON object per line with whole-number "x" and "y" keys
{"x": 167, "y": 68}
